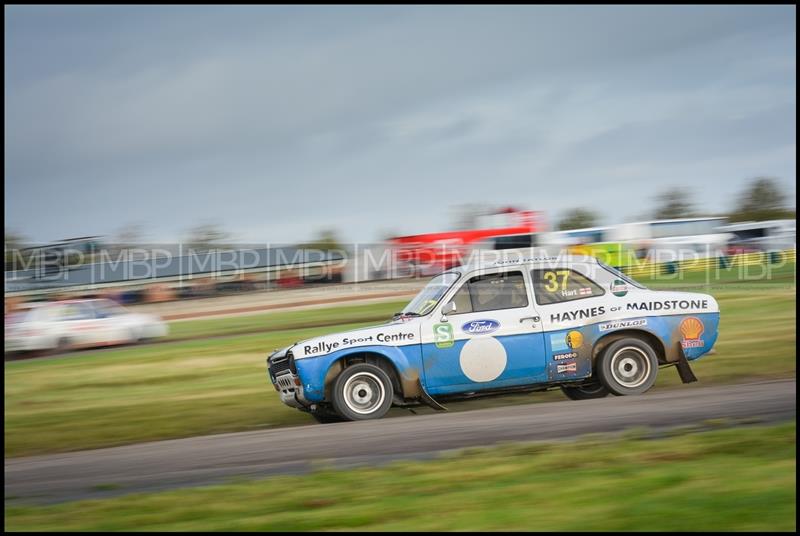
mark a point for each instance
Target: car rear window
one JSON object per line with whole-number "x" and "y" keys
{"x": 557, "y": 285}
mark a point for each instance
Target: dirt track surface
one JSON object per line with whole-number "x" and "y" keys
{"x": 209, "y": 459}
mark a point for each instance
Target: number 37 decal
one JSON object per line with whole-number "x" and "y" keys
{"x": 552, "y": 280}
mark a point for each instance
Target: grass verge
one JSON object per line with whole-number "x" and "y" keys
{"x": 319, "y": 317}
{"x": 682, "y": 483}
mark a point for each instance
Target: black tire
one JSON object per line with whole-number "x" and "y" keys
{"x": 628, "y": 367}
{"x": 324, "y": 416}
{"x": 63, "y": 345}
{"x": 362, "y": 392}
{"x": 585, "y": 392}
{"x": 134, "y": 337}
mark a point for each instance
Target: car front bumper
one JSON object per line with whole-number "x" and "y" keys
{"x": 280, "y": 370}
{"x": 290, "y": 389}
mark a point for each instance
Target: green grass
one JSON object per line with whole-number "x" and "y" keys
{"x": 372, "y": 312}
{"x": 757, "y": 276}
{"x": 145, "y": 393}
{"x": 757, "y": 322}
{"x": 598, "y": 483}
{"x": 198, "y": 387}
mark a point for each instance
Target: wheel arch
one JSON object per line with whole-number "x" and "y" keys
{"x": 653, "y": 340}
{"x": 372, "y": 357}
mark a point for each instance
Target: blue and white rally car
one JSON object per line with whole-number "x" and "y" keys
{"x": 527, "y": 324}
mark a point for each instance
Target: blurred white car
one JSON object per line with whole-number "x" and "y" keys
{"x": 65, "y": 325}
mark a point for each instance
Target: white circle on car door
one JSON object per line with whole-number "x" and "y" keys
{"x": 483, "y": 359}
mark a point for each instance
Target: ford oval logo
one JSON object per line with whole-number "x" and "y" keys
{"x": 480, "y": 327}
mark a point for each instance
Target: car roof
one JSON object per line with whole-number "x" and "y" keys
{"x": 71, "y": 301}
{"x": 527, "y": 260}
{"x": 743, "y": 226}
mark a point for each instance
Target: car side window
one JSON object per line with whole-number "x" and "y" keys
{"x": 462, "y": 300}
{"x": 101, "y": 309}
{"x": 75, "y": 311}
{"x": 491, "y": 292}
{"x": 559, "y": 285}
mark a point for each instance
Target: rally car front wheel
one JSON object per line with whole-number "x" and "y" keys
{"x": 628, "y": 367}
{"x": 362, "y": 392}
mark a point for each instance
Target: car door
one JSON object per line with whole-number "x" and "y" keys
{"x": 493, "y": 339}
{"x": 109, "y": 326}
{"x": 570, "y": 303}
{"x": 78, "y": 324}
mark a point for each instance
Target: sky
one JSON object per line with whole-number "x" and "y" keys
{"x": 275, "y": 122}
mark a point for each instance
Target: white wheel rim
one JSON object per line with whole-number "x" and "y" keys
{"x": 630, "y": 367}
{"x": 364, "y": 393}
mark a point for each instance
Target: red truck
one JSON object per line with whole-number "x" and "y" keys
{"x": 429, "y": 253}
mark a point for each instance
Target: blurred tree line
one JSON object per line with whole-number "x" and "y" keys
{"x": 761, "y": 200}
{"x": 578, "y": 218}
{"x": 207, "y": 237}
{"x": 325, "y": 240}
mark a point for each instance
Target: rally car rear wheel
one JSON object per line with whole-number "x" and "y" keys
{"x": 64, "y": 344}
{"x": 585, "y": 392}
{"x": 628, "y": 367}
{"x": 362, "y": 392}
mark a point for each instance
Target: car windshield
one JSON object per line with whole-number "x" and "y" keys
{"x": 621, "y": 275}
{"x": 424, "y": 302}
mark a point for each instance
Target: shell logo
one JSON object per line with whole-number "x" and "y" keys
{"x": 574, "y": 339}
{"x": 691, "y": 329}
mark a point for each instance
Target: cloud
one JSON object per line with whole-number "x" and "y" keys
{"x": 254, "y": 112}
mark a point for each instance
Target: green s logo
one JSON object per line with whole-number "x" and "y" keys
{"x": 443, "y": 335}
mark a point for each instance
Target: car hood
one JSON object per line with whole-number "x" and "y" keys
{"x": 395, "y": 333}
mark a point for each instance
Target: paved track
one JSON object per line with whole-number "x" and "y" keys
{"x": 201, "y": 460}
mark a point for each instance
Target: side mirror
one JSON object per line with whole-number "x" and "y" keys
{"x": 449, "y": 308}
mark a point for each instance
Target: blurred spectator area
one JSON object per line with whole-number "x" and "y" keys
{"x": 213, "y": 273}
{"x": 634, "y": 244}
